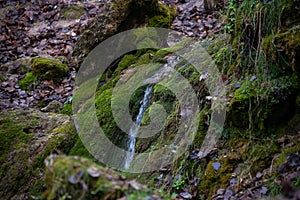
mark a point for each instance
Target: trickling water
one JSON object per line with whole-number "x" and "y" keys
{"x": 134, "y": 129}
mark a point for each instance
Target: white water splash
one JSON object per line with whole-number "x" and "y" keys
{"x": 135, "y": 128}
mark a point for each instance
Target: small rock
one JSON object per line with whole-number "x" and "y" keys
{"x": 264, "y": 190}
{"x": 253, "y": 78}
{"x": 221, "y": 191}
{"x": 259, "y": 175}
{"x": 186, "y": 195}
{"x": 53, "y": 106}
{"x": 93, "y": 172}
{"x": 135, "y": 185}
{"x": 5, "y": 84}
{"x": 237, "y": 85}
{"x": 216, "y": 166}
{"x": 232, "y": 181}
{"x": 228, "y": 194}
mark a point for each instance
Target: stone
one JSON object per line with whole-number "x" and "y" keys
{"x": 53, "y": 106}
{"x": 27, "y": 137}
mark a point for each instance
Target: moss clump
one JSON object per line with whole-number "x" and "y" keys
{"x": 70, "y": 177}
{"x": 165, "y": 97}
{"x": 12, "y": 136}
{"x": 282, "y": 158}
{"x": 146, "y": 58}
{"x": 126, "y": 61}
{"x": 163, "y": 18}
{"x": 289, "y": 42}
{"x": 212, "y": 180}
{"x": 49, "y": 69}
{"x": 25, "y": 82}
{"x": 160, "y": 21}
{"x": 260, "y": 156}
{"x": 79, "y": 150}
{"x": 67, "y": 109}
{"x": 73, "y": 12}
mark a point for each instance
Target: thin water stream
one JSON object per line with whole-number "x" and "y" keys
{"x": 135, "y": 128}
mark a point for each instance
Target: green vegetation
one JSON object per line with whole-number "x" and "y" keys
{"x": 71, "y": 177}
{"x": 160, "y": 21}
{"x": 27, "y": 81}
{"x": 49, "y": 69}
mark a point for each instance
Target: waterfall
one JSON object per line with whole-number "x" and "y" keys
{"x": 134, "y": 129}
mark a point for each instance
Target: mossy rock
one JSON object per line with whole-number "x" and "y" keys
{"x": 260, "y": 104}
{"x": 27, "y": 138}
{"x": 289, "y": 42}
{"x": 75, "y": 177}
{"x": 126, "y": 61}
{"x": 212, "y": 179}
{"x": 122, "y": 15}
{"x": 49, "y": 69}
{"x": 160, "y": 21}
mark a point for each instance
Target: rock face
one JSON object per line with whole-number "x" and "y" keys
{"x": 27, "y": 138}
{"x": 117, "y": 16}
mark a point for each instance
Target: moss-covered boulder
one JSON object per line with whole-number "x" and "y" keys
{"x": 80, "y": 178}
{"x": 49, "y": 69}
{"x": 27, "y": 138}
{"x": 122, "y": 15}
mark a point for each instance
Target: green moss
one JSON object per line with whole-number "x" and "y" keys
{"x": 160, "y": 21}
{"x": 73, "y": 12}
{"x": 105, "y": 184}
{"x": 289, "y": 41}
{"x": 174, "y": 48}
{"x": 145, "y": 58}
{"x": 25, "y": 82}
{"x": 167, "y": 11}
{"x": 2, "y": 78}
{"x": 164, "y": 96}
{"x": 126, "y": 61}
{"x": 283, "y": 155}
{"x": 49, "y": 69}
{"x": 12, "y": 136}
{"x": 79, "y": 150}
{"x": 204, "y": 116}
{"x": 213, "y": 180}
{"x": 67, "y": 109}
{"x": 260, "y": 155}
{"x": 64, "y": 140}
